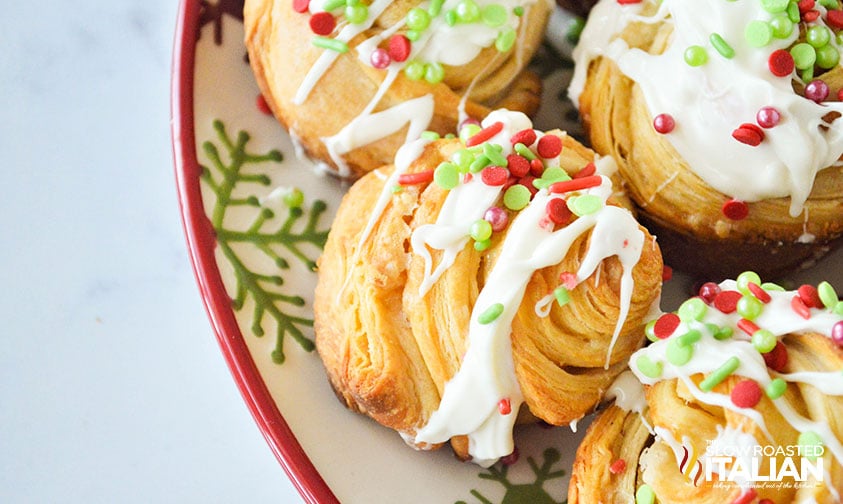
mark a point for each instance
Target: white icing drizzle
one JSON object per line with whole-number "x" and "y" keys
{"x": 627, "y": 393}
{"x": 708, "y": 102}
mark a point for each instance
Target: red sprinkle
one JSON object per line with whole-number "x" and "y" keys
{"x": 399, "y": 48}
{"x": 322, "y": 23}
{"x": 626, "y": 2}
{"x": 759, "y": 292}
{"x": 745, "y": 498}
{"x": 568, "y": 279}
{"x": 421, "y": 177}
{"x": 558, "y": 211}
{"x": 747, "y": 326}
{"x": 518, "y": 165}
{"x": 735, "y": 209}
{"x": 301, "y": 6}
{"x": 799, "y": 306}
{"x": 260, "y": 102}
{"x": 494, "y": 175}
{"x": 776, "y": 359}
{"x": 811, "y": 16}
{"x": 576, "y": 184}
{"x": 727, "y": 301}
{"x": 484, "y": 134}
{"x": 526, "y": 137}
{"x": 834, "y": 19}
{"x": 746, "y": 394}
{"x": 781, "y": 63}
{"x": 766, "y": 501}
{"x": 806, "y": 5}
{"x": 665, "y": 325}
{"x": 837, "y": 333}
{"x": 809, "y": 296}
{"x": 527, "y": 181}
{"x": 549, "y": 146}
{"x": 664, "y": 123}
{"x": 586, "y": 171}
{"x": 618, "y": 466}
{"x": 667, "y": 273}
{"x": 749, "y": 134}
{"x": 504, "y": 407}
{"x": 536, "y": 167}
{"x": 708, "y": 291}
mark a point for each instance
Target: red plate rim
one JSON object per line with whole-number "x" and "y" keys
{"x": 201, "y": 243}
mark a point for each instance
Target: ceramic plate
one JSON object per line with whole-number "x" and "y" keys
{"x": 253, "y": 255}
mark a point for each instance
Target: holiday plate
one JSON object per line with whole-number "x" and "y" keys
{"x": 256, "y": 216}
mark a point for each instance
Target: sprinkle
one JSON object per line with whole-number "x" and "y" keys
{"x": 549, "y": 146}
{"x": 618, "y": 466}
{"x": 746, "y": 394}
{"x": 357, "y": 14}
{"x": 799, "y": 306}
{"x": 585, "y": 204}
{"x": 749, "y": 307}
{"x": 380, "y": 58}
{"x": 782, "y": 26}
{"x": 421, "y": 177}
{"x": 435, "y": 7}
{"x": 504, "y": 407}
{"x": 749, "y": 134}
{"x": 562, "y": 295}
{"x": 645, "y": 493}
{"x": 331, "y": 44}
{"x": 678, "y": 353}
{"x": 818, "y": 36}
{"x": 553, "y": 175}
{"x": 776, "y": 388}
{"x": 812, "y": 442}
{"x": 804, "y": 55}
{"x": 811, "y": 16}
{"x": 746, "y": 497}
{"x": 494, "y": 153}
{"x": 330, "y": 5}
{"x": 568, "y": 279}
{"x": 301, "y": 6}
{"x": 834, "y": 19}
{"x": 721, "y": 46}
{"x": 497, "y": 217}
{"x": 518, "y": 10}
{"x": 781, "y": 63}
{"x": 764, "y": 341}
{"x": 494, "y": 175}
{"x": 774, "y": 6}
{"x": 664, "y": 123}
{"x": 793, "y": 12}
{"x": 293, "y": 198}
{"x": 505, "y": 40}
{"x": 468, "y": 11}
{"x": 482, "y": 245}
{"x": 744, "y": 279}
{"x": 577, "y": 184}
{"x": 776, "y": 359}
{"x": 491, "y": 314}
{"x": 649, "y": 368}
{"x": 451, "y": 17}
{"x": 667, "y": 273}
{"x": 767, "y": 117}
{"x": 810, "y": 296}
{"x": 837, "y": 333}
{"x": 262, "y": 105}
{"x": 516, "y": 197}
{"x": 689, "y": 338}
{"x": 322, "y": 23}
{"x": 517, "y": 165}
{"x": 536, "y": 167}
{"x": 759, "y": 293}
{"x": 827, "y": 57}
{"x": 817, "y": 91}
{"x": 586, "y": 171}
{"x": 695, "y": 56}
{"x": 484, "y": 134}
{"x": 399, "y": 48}
{"x": 735, "y": 209}
{"x": 758, "y": 33}
{"x": 557, "y": 211}
{"x": 446, "y": 175}
{"x": 493, "y": 15}
{"x": 727, "y": 301}
{"x": 524, "y": 151}
{"x": 708, "y": 291}
{"x": 478, "y": 164}
{"x": 747, "y": 326}
{"x": 417, "y": 19}
{"x": 723, "y": 333}
{"x": 434, "y": 72}
{"x": 429, "y": 135}
{"x": 692, "y": 309}
{"x": 525, "y": 136}
{"x": 720, "y": 374}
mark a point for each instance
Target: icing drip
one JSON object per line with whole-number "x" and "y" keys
{"x": 708, "y": 102}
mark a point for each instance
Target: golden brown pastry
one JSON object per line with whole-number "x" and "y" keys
{"x": 725, "y": 130}
{"x": 475, "y": 275}
{"x": 353, "y": 81}
{"x": 739, "y": 399}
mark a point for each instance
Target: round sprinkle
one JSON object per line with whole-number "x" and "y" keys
{"x": 837, "y": 333}
{"x": 749, "y": 134}
{"x": 692, "y": 309}
{"x": 649, "y": 368}
{"x": 618, "y": 466}
{"x": 549, "y": 146}
{"x": 645, "y": 493}
{"x": 322, "y": 23}
{"x": 494, "y": 175}
{"x": 664, "y": 123}
{"x": 301, "y": 6}
{"x": 293, "y": 198}
{"x": 666, "y": 325}
{"x": 357, "y": 14}
{"x": 434, "y": 72}
{"x": 497, "y": 217}
{"x": 504, "y": 407}
{"x": 746, "y": 394}
{"x": 818, "y": 36}
{"x": 558, "y": 211}
{"x": 525, "y": 137}
{"x": 695, "y": 56}
{"x": 781, "y": 63}
{"x": 793, "y": 12}
{"x": 482, "y": 245}
{"x": 782, "y": 26}
{"x": 776, "y": 359}
{"x": 262, "y": 105}
{"x": 380, "y": 58}
{"x": 447, "y": 175}
{"x": 494, "y": 15}
{"x": 764, "y": 341}
{"x": 414, "y": 70}
{"x": 490, "y": 314}
{"x": 758, "y": 33}
{"x": 708, "y": 291}
{"x": 516, "y": 197}
{"x": 399, "y": 48}
{"x": 417, "y": 19}
{"x": 816, "y": 91}
{"x": 677, "y": 353}
{"x": 768, "y": 117}
{"x": 776, "y": 388}
{"x": 804, "y": 55}
{"x": 721, "y": 373}
{"x": 834, "y": 19}
{"x": 505, "y": 40}
{"x": 517, "y": 165}
{"x": 735, "y": 209}
{"x": 585, "y": 204}
{"x": 727, "y": 301}
{"x": 810, "y": 296}
{"x": 749, "y": 307}
{"x": 562, "y": 295}
{"x": 811, "y": 444}
{"x": 827, "y": 57}
{"x": 827, "y": 294}
{"x": 774, "y": 6}
{"x": 649, "y": 330}
{"x": 721, "y": 46}
{"x": 744, "y": 279}
{"x": 468, "y": 11}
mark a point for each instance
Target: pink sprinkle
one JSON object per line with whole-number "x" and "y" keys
{"x": 536, "y": 167}
{"x": 749, "y": 134}
{"x": 746, "y": 497}
{"x": 557, "y": 211}
{"x": 380, "y": 58}
{"x": 586, "y": 171}
{"x": 667, "y": 271}
{"x": 301, "y": 6}
{"x": 664, "y": 123}
{"x": 816, "y": 91}
{"x": 497, "y": 217}
{"x": 748, "y": 326}
{"x": 768, "y": 117}
{"x": 568, "y": 280}
{"x": 837, "y": 333}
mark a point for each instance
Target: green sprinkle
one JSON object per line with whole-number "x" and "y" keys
{"x": 776, "y": 388}
{"x": 829, "y": 4}
{"x": 804, "y": 55}
{"x": 482, "y": 245}
{"x": 773, "y": 6}
{"x": 818, "y": 36}
{"x": 435, "y": 7}
{"x": 811, "y": 445}
{"x": 692, "y": 309}
{"x": 429, "y": 135}
{"x": 494, "y": 15}
{"x": 827, "y": 294}
{"x": 562, "y": 295}
{"x": 758, "y": 33}
{"x": 782, "y": 26}
{"x": 721, "y": 46}
{"x": 793, "y": 12}
{"x": 838, "y": 308}
{"x": 764, "y": 341}
{"x": 689, "y": 338}
{"x": 447, "y": 175}
{"x": 677, "y": 353}
{"x": 649, "y": 368}
{"x": 505, "y": 40}
{"x": 491, "y": 314}
{"x": 749, "y": 307}
{"x": 555, "y": 174}
{"x": 333, "y": 4}
{"x": 468, "y": 11}
{"x": 330, "y": 44}
{"x": 357, "y": 14}
{"x": 650, "y": 332}
{"x": 397, "y": 189}
{"x": 468, "y": 131}
{"x": 495, "y": 154}
{"x": 293, "y": 198}
{"x": 417, "y": 19}
{"x": 770, "y": 286}
{"x": 828, "y": 57}
{"x": 463, "y": 159}
{"x": 524, "y": 151}
{"x": 414, "y": 70}
{"x": 746, "y": 278}
{"x": 412, "y": 35}
{"x": 518, "y": 10}
{"x": 645, "y": 495}
{"x": 434, "y": 72}
{"x": 479, "y": 163}
{"x": 723, "y": 333}
{"x": 695, "y": 55}
{"x": 516, "y": 197}
{"x": 585, "y": 204}
{"x": 451, "y": 18}
{"x": 480, "y": 230}
{"x": 720, "y": 374}
{"x": 807, "y": 74}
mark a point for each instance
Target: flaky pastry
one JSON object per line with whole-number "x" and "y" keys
{"x": 739, "y": 399}
{"x": 477, "y": 274}
{"x": 353, "y": 81}
{"x": 723, "y": 119}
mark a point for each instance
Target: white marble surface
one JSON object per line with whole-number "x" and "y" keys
{"x": 112, "y": 387}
